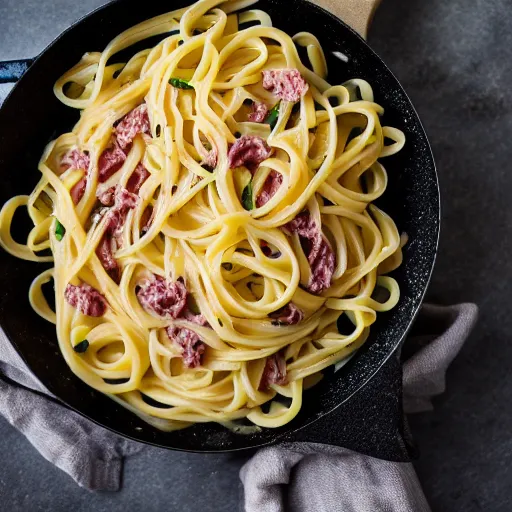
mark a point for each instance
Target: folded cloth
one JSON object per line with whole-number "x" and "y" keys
{"x": 90, "y": 454}
{"x": 274, "y": 474}
{"x": 301, "y": 477}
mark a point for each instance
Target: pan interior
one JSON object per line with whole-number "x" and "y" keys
{"x": 31, "y": 116}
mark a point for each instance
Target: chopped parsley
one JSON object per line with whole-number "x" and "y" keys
{"x": 60, "y": 230}
{"x": 180, "y": 83}
{"x": 272, "y": 116}
{"x": 247, "y": 197}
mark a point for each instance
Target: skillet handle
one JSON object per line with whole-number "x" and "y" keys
{"x": 12, "y": 70}
{"x": 358, "y": 14}
{"x": 372, "y": 422}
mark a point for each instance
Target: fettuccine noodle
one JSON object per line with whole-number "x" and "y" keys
{"x": 237, "y": 225}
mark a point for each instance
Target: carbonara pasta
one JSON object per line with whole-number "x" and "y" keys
{"x": 210, "y": 219}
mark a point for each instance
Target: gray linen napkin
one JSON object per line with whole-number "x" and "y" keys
{"x": 91, "y": 455}
{"x": 302, "y": 477}
{"x": 320, "y": 477}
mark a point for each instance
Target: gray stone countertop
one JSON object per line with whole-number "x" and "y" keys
{"x": 453, "y": 59}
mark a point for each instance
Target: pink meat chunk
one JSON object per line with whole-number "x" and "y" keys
{"x": 318, "y": 250}
{"x": 286, "y": 84}
{"x": 270, "y": 187}
{"x": 105, "y": 252}
{"x": 162, "y": 298}
{"x": 110, "y": 242}
{"x": 86, "y": 299}
{"x": 137, "y": 179}
{"x": 274, "y": 372}
{"x": 248, "y": 151}
{"x": 211, "y": 159}
{"x": 189, "y": 341}
{"x": 110, "y": 161}
{"x": 75, "y": 159}
{"x": 106, "y": 196}
{"x": 259, "y": 112}
{"x": 289, "y": 315}
{"x": 125, "y": 200}
{"x": 78, "y": 190}
{"x": 133, "y": 123}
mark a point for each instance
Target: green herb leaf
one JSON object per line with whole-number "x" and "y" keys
{"x": 60, "y": 230}
{"x": 81, "y": 347}
{"x": 272, "y": 116}
{"x": 179, "y": 83}
{"x": 247, "y": 199}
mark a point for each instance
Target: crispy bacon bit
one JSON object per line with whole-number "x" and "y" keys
{"x": 86, "y": 299}
{"x": 75, "y": 159}
{"x": 274, "y": 372}
{"x": 133, "y": 123}
{"x": 318, "y": 250}
{"x": 270, "y": 187}
{"x": 248, "y": 151}
{"x": 137, "y": 179}
{"x": 110, "y": 161}
{"x": 289, "y": 315}
{"x": 162, "y": 298}
{"x": 287, "y": 84}
{"x": 259, "y": 112}
{"x": 189, "y": 341}
{"x": 210, "y": 160}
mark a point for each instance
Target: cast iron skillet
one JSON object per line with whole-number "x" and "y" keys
{"x": 31, "y": 116}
